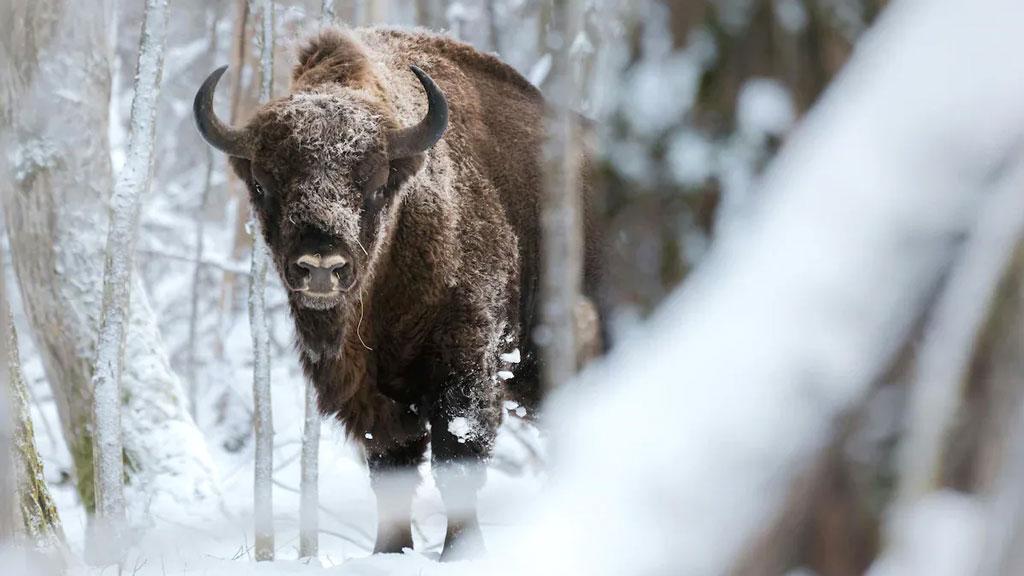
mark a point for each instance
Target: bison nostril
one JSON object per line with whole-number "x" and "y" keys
{"x": 339, "y": 268}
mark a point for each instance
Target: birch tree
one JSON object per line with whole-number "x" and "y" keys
{"x": 55, "y": 175}
{"x": 132, "y": 184}
{"x": 561, "y": 230}
{"x": 263, "y": 494}
{"x": 309, "y": 523}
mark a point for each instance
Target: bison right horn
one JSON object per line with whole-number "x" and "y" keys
{"x": 418, "y": 139}
{"x": 217, "y": 134}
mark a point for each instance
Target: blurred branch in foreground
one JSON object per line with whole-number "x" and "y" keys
{"x": 745, "y": 374}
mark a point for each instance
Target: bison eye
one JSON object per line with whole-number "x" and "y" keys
{"x": 259, "y": 188}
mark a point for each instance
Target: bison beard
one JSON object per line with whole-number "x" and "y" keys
{"x": 411, "y": 260}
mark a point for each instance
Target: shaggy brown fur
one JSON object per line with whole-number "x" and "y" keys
{"x": 444, "y": 248}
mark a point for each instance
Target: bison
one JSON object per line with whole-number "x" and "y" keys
{"x": 397, "y": 186}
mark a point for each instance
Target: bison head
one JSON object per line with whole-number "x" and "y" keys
{"x": 324, "y": 168}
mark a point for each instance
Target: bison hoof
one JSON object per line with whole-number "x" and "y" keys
{"x": 463, "y": 541}
{"x": 393, "y": 542}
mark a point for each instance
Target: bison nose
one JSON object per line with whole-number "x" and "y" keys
{"x": 324, "y": 275}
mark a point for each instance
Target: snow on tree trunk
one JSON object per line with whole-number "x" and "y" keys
{"x": 40, "y": 521}
{"x": 744, "y": 375}
{"x": 263, "y": 505}
{"x": 197, "y": 275}
{"x": 309, "y": 524}
{"x": 309, "y": 488}
{"x": 561, "y": 229}
{"x": 125, "y": 206}
{"x": 55, "y": 173}
{"x": 326, "y": 13}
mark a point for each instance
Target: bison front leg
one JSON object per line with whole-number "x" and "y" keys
{"x": 394, "y": 478}
{"x": 462, "y": 431}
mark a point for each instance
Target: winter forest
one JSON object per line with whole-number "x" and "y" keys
{"x": 504, "y": 287}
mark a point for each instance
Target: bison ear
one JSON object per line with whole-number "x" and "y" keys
{"x": 401, "y": 169}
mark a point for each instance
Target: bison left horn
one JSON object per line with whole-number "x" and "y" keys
{"x": 228, "y": 140}
{"x": 417, "y": 139}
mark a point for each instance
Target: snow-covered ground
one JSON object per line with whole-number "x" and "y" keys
{"x": 220, "y": 541}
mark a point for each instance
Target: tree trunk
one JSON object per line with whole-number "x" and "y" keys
{"x": 264, "y": 424}
{"x": 561, "y": 229}
{"x": 240, "y": 97}
{"x": 200, "y": 241}
{"x": 40, "y": 521}
{"x": 432, "y": 14}
{"x": 7, "y": 481}
{"x": 326, "y": 13}
{"x": 126, "y": 205}
{"x": 493, "y": 29}
{"x": 309, "y": 524}
{"x": 56, "y": 176}
{"x": 423, "y": 13}
{"x": 374, "y": 12}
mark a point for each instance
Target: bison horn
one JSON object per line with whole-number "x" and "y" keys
{"x": 417, "y": 139}
{"x": 219, "y": 135}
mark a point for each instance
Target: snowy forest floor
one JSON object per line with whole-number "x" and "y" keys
{"x": 220, "y": 542}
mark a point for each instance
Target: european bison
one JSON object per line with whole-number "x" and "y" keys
{"x": 405, "y": 229}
